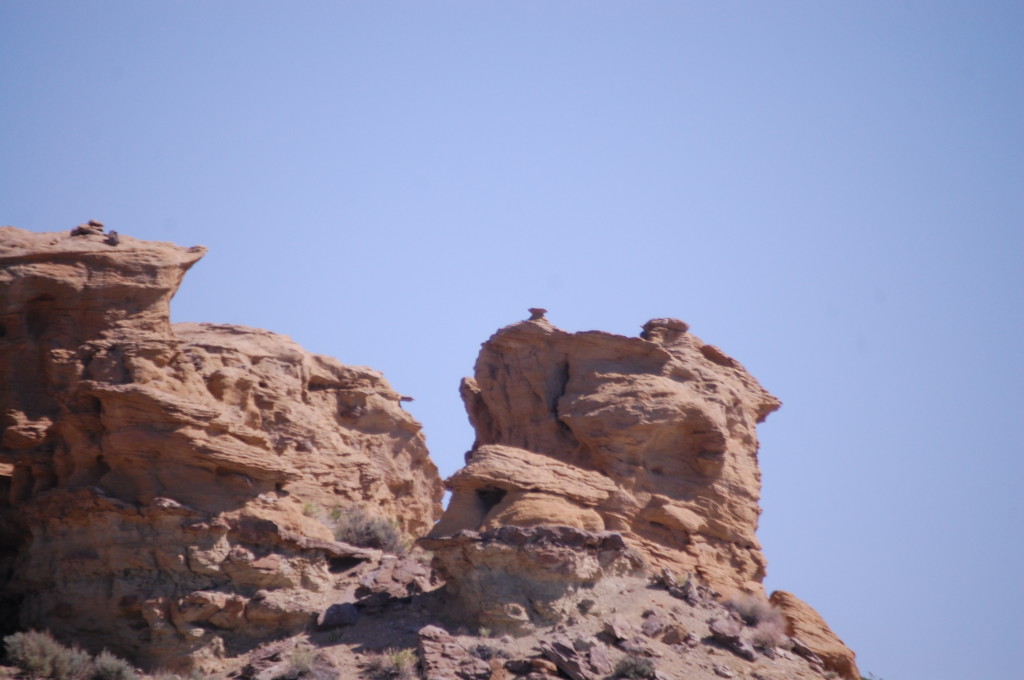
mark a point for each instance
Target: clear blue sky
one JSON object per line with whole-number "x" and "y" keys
{"x": 829, "y": 191}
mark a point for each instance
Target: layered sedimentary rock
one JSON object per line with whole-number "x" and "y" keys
{"x": 805, "y": 624}
{"x": 161, "y": 484}
{"x": 154, "y": 477}
{"x": 653, "y": 437}
{"x": 513, "y": 578}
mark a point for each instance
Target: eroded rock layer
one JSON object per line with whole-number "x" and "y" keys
{"x": 512, "y": 579}
{"x": 653, "y": 437}
{"x": 156, "y": 481}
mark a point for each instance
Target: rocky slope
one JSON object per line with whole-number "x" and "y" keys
{"x": 166, "y": 491}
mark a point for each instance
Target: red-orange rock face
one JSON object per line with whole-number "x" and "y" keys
{"x": 653, "y": 437}
{"x": 153, "y": 477}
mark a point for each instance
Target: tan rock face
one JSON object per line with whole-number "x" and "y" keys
{"x": 154, "y": 477}
{"x": 510, "y": 579}
{"x": 807, "y": 625}
{"x": 159, "y": 483}
{"x": 653, "y": 437}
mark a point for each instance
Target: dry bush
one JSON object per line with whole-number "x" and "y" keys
{"x": 768, "y": 623}
{"x": 40, "y": 656}
{"x": 392, "y": 664}
{"x": 634, "y": 668}
{"x": 769, "y": 633}
{"x": 754, "y": 610}
{"x": 164, "y": 674}
{"x": 110, "y": 667}
{"x": 302, "y": 660}
{"x": 306, "y": 663}
{"x": 359, "y": 527}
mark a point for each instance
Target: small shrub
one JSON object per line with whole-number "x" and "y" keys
{"x": 392, "y": 664}
{"x": 754, "y": 610}
{"x": 164, "y": 674}
{"x": 40, "y": 656}
{"x": 301, "y": 663}
{"x": 634, "y": 668}
{"x": 769, "y": 633}
{"x": 110, "y": 667}
{"x": 358, "y": 527}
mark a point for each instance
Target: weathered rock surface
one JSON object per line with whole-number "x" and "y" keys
{"x": 510, "y": 578}
{"x": 162, "y": 488}
{"x": 153, "y": 477}
{"x": 578, "y": 664}
{"x": 443, "y": 658}
{"x": 805, "y": 624}
{"x": 653, "y": 437}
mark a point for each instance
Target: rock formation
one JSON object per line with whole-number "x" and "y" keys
{"x": 165, "y": 488}
{"x": 805, "y": 624}
{"x": 652, "y": 439}
{"x": 157, "y": 480}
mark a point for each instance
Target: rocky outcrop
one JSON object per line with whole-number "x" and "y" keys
{"x": 165, "y": 492}
{"x": 156, "y": 481}
{"x": 807, "y": 626}
{"x": 652, "y": 437}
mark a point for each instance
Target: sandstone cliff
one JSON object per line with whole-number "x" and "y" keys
{"x": 165, "y": 492}
{"x": 154, "y": 477}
